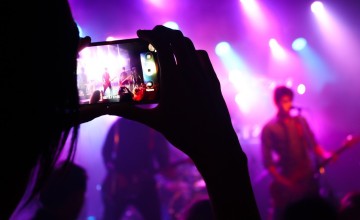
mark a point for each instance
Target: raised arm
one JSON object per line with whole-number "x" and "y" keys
{"x": 193, "y": 116}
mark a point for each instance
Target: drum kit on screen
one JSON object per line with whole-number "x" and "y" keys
{"x": 178, "y": 193}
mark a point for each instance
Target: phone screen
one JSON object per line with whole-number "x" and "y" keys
{"x": 118, "y": 71}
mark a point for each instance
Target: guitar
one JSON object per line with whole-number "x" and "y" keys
{"x": 122, "y": 81}
{"x": 349, "y": 141}
{"x": 282, "y": 194}
{"x": 107, "y": 82}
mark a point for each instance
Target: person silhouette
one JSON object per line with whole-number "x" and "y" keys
{"x": 106, "y": 79}
{"x": 52, "y": 114}
{"x": 51, "y": 118}
{"x": 201, "y": 129}
{"x": 63, "y": 195}
{"x": 293, "y": 168}
{"x": 133, "y": 154}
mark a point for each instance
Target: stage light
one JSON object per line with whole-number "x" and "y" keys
{"x": 171, "y": 24}
{"x": 317, "y": 7}
{"x": 250, "y": 6}
{"x": 299, "y": 44}
{"x": 110, "y": 38}
{"x": 222, "y": 48}
{"x": 157, "y": 3}
{"x": 258, "y": 18}
{"x": 301, "y": 89}
{"x": 273, "y": 43}
{"x": 277, "y": 51}
{"x": 289, "y": 83}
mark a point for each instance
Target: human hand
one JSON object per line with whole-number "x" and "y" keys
{"x": 191, "y": 113}
{"x": 84, "y": 42}
{"x": 193, "y": 116}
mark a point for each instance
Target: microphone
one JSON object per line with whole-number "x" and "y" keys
{"x": 296, "y": 107}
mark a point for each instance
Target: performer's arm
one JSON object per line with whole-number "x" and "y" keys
{"x": 318, "y": 149}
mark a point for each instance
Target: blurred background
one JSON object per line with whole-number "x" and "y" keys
{"x": 312, "y": 47}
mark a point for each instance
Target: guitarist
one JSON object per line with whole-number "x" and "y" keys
{"x": 290, "y": 154}
{"x": 132, "y": 153}
{"x": 125, "y": 79}
{"x": 106, "y": 81}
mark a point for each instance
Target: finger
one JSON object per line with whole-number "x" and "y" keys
{"x": 165, "y": 56}
{"x": 208, "y": 68}
{"x": 182, "y": 47}
{"x": 84, "y": 42}
{"x": 192, "y": 64}
{"x": 170, "y": 78}
{"x": 185, "y": 55}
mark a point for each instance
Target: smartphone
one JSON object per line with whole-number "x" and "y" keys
{"x": 118, "y": 71}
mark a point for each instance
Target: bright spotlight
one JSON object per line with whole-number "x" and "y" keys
{"x": 317, "y": 7}
{"x": 301, "y": 89}
{"x": 110, "y": 38}
{"x": 277, "y": 51}
{"x": 273, "y": 43}
{"x": 222, "y": 48}
{"x": 299, "y": 44}
{"x": 171, "y": 24}
{"x": 289, "y": 83}
{"x": 250, "y": 5}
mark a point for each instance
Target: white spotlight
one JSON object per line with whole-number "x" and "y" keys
{"x": 299, "y": 44}
{"x": 317, "y": 7}
{"x": 171, "y": 24}
{"x": 301, "y": 89}
{"x": 222, "y": 48}
{"x": 277, "y": 51}
{"x": 273, "y": 43}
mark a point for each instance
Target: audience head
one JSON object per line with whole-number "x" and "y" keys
{"x": 64, "y": 192}
{"x": 50, "y": 115}
{"x": 95, "y": 97}
{"x": 283, "y": 97}
{"x": 281, "y": 91}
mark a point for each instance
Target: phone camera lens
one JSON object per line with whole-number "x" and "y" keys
{"x": 149, "y": 84}
{"x": 148, "y": 56}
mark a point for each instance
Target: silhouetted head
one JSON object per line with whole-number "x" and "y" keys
{"x": 64, "y": 192}
{"x": 282, "y": 91}
{"x": 283, "y": 97}
{"x": 95, "y": 97}
{"x": 41, "y": 89}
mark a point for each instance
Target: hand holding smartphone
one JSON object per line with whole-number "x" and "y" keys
{"x": 119, "y": 71}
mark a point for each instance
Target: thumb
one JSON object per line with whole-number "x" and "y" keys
{"x": 143, "y": 114}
